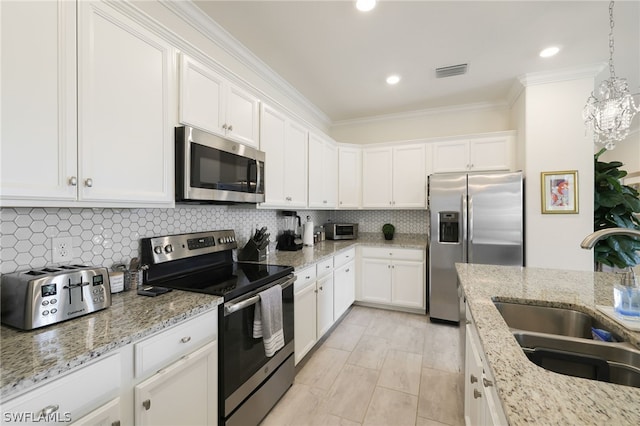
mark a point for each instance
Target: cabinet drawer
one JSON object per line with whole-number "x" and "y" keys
{"x": 324, "y": 267}
{"x": 305, "y": 277}
{"x": 344, "y": 257}
{"x": 393, "y": 253}
{"x": 73, "y": 395}
{"x": 157, "y": 351}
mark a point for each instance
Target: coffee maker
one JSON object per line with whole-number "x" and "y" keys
{"x": 290, "y": 239}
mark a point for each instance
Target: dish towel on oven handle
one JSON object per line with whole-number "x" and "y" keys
{"x": 267, "y": 320}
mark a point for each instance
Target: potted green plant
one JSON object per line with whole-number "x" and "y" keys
{"x": 614, "y": 206}
{"x": 388, "y": 230}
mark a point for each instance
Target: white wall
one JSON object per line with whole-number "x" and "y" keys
{"x": 423, "y": 124}
{"x": 627, "y": 151}
{"x": 555, "y": 140}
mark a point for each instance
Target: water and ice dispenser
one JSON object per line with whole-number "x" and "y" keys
{"x": 449, "y": 223}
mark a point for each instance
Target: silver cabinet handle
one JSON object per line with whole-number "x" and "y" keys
{"x": 346, "y": 270}
{"x": 147, "y": 404}
{"x": 230, "y": 128}
{"x": 88, "y": 182}
{"x": 315, "y": 291}
{"x": 48, "y": 410}
{"x": 487, "y": 383}
{"x": 476, "y": 394}
{"x": 186, "y": 339}
{"x": 73, "y": 181}
{"x": 224, "y": 126}
{"x": 115, "y": 423}
{"x": 307, "y": 277}
{"x": 473, "y": 379}
{"x": 320, "y": 288}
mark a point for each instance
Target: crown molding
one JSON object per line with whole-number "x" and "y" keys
{"x": 544, "y": 77}
{"x": 422, "y": 112}
{"x": 203, "y": 23}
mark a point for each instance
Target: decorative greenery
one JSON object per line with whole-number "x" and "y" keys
{"x": 388, "y": 228}
{"x": 614, "y": 206}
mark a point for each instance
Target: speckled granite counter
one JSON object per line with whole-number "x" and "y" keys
{"x": 310, "y": 255}
{"x": 531, "y": 394}
{"x": 29, "y": 357}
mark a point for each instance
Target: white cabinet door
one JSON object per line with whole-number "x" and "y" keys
{"x": 344, "y": 288}
{"x": 473, "y": 394}
{"x": 408, "y": 287}
{"x": 125, "y": 98}
{"x": 349, "y": 177}
{"x": 202, "y": 102}
{"x": 242, "y": 119}
{"x": 492, "y": 153}
{"x": 38, "y": 85}
{"x": 376, "y": 280}
{"x": 409, "y": 177}
{"x": 323, "y": 172}
{"x": 451, "y": 156}
{"x": 377, "y": 166}
{"x": 325, "y": 304}
{"x": 285, "y": 145}
{"x": 185, "y": 393}
{"x": 305, "y": 319}
{"x": 295, "y": 165}
{"x": 107, "y": 415}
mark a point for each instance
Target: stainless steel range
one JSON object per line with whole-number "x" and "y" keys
{"x": 250, "y": 383}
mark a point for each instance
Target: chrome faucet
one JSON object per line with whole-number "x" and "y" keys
{"x": 628, "y": 276}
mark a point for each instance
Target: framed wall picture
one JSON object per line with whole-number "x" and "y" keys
{"x": 559, "y": 192}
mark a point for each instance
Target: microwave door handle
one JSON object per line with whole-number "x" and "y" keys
{"x": 249, "y": 166}
{"x": 258, "y": 182}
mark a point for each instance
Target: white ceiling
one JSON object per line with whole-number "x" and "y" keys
{"x": 338, "y": 57}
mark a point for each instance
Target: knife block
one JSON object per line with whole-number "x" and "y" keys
{"x": 250, "y": 252}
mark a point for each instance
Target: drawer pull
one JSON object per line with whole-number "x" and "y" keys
{"x": 487, "y": 383}
{"x": 473, "y": 379}
{"x": 146, "y": 404}
{"x": 346, "y": 270}
{"x": 307, "y": 277}
{"x": 476, "y": 394}
{"x": 186, "y": 339}
{"x": 115, "y": 423}
{"x": 48, "y": 410}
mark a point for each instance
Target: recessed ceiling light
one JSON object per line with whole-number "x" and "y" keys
{"x": 365, "y": 5}
{"x": 393, "y": 79}
{"x": 549, "y": 52}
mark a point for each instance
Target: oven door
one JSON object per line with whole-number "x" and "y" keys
{"x": 244, "y": 367}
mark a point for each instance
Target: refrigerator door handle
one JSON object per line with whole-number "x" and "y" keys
{"x": 470, "y": 225}
{"x": 463, "y": 219}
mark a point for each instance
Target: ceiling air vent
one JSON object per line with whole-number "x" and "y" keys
{"x": 450, "y": 71}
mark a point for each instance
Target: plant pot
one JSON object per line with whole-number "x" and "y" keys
{"x": 388, "y": 236}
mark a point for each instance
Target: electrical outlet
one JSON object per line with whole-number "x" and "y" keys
{"x": 61, "y": 249}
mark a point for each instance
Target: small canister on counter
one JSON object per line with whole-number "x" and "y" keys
{"x": 116, "y": 280}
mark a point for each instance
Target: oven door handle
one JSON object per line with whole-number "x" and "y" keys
{"x": 231, "y": 307}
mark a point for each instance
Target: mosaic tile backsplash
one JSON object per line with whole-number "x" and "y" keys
{"x": 107, "y": 236}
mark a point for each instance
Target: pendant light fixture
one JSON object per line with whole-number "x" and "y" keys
{"x": 609, "y": 115}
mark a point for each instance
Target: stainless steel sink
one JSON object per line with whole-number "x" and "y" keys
{"x": 544, "y": 319}
{"x": 609, "y": 362}
{"x": 560, "y": 340}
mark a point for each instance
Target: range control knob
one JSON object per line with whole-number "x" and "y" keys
{"x": 157, "y": 250}
{"x": 168, "y": 248}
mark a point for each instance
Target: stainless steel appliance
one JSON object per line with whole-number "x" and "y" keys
{"x": 474, "y": 218}
{"x": 249, "y": 383}
{"x": 341, "y": 231}
{"x": 40, "y": 297}
{"x": 211, "y": 169}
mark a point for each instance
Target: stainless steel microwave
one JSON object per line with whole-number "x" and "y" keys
{"x": 341, "y": 231}
{"x": 211, "y": 169}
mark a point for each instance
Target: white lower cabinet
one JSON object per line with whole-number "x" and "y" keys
{"x": 305, "y": 312}
{"x": 325, "y": 304}
{"x": 394, "y": 277}
{"x": 481, "y": 402}
{"x": 344, "y": 287}
{"x": 107, "y": 415}
{"x": 184, "y": 393}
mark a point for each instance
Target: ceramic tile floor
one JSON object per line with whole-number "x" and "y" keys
{"x": 378, "y": 367}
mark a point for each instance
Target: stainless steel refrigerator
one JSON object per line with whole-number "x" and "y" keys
{"x": 474, "y": 218}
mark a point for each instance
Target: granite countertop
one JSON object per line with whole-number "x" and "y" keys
{"x": 30, "y": 357}
{"x": 531, "y": 394}
{"x": 324, "y": 249}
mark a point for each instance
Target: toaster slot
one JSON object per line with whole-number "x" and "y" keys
{"x": 51, "y": 270}
{"x": 34, "y": 273}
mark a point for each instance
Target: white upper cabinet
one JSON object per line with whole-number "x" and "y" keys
{"x": 394, "y": 177}
{"x": 125, "y": 103}
{"x": 349, "y": 177}
{"x": 212, "y": 103}
{"x": 484, "y": 153}
{"x": 121, "y": 153}
{"x": 284, "y": 142}
{"x": 38, "y": 85}
{"x": 323, "y": 172}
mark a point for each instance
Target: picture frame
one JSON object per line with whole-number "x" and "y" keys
{"x": 559, "y": 192}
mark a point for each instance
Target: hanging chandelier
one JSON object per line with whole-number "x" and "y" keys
{"x": 610, "y": 114}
